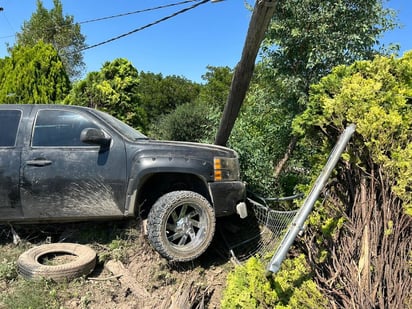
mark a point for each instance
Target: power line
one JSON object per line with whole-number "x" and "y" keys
{"x": 119, "y": 15}
{"x": 136, "y": 12}
{"x": 146, "y": 26}
{"x": 6, "y": 19}
{"x": 7, "y": 36}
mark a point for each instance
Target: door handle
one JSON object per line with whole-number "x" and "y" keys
{"x": 39, "y": 162}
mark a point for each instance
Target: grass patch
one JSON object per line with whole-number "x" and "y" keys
{"x": 8, "y": 270}
{"x": 9, "y": 255}
{"x": 31, "y": 294}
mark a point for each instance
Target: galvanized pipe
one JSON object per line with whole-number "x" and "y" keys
{"x": 304, "y": 211}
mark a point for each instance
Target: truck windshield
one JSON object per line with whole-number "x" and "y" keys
{"x": 121, "y": 127}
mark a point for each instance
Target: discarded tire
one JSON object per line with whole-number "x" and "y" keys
{"x": 30, "y": 266}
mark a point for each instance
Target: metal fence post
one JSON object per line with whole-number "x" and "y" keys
{"x": 300, "y": 217}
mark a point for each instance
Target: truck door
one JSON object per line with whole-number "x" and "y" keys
{"x": 9, "y": 163}
{"x": 64, "y": 178}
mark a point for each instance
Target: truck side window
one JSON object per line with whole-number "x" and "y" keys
{"x": 9, "y": 123}
{"x": 59, "y": 128}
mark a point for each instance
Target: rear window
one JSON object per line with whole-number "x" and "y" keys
{"x": 9, "y": 124}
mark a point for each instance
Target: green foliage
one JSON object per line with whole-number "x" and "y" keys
{"x": 331, "y": 225}
{"x": 32, "y": 294}
{"x": 198, "y": 119}
{"x": 188, "y": 122}
{"x": 60, "y": 31}
{"x": 33, "y": 75}
{"x": 113, "y": 89}
{"x": 160, "y": 95}
{"x": 116, "y": 250}
{"x": 248, "y": 287}
{"x": 8, "y": 270}
{"x": 375, "y": 95}
{"x": 138, "y": 99}
{"x": 305, "y": 40}
{"x": 8, "y": 265}
{"x": 216, "y": 89}
{"x": 260, "y": 136}
{"x": 371, "y": 187}
{"x": 303, "y": 44}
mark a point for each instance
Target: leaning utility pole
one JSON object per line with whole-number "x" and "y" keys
{"x": 262, "y": 14}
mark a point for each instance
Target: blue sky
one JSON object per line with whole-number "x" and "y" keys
{"x": 211, "y": 34}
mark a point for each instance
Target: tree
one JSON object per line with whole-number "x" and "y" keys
{"x": 33, "y": 75}
{"x": 260, "y": 136}
{"x": 303, "y": 43}
{"x": 188, "y": 122}
{"x": 60, "y": 31}
{"x": 306, "y": 41}
{"x": 196, "y": 120}
{"x": 161, "y": 95}
{"x": 359, "y": 240}
{"x": 113, "y": 89}
{"x": 216, "y": 89}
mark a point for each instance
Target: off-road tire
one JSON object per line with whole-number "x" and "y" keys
{"x": 30, "y": 267}
{"x": 181, "y": 225}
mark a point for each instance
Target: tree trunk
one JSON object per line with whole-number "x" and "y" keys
{"x": 289, "y": 150}
{"x": 364, "y": 263}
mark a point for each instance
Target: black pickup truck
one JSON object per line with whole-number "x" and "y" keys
{"x": 68, "y": 163}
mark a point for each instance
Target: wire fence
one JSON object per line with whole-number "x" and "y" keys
{"x": 261, "y": 232}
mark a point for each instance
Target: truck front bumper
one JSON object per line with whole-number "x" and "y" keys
{"x": 226, "y": 196}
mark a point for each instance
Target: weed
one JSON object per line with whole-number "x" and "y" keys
{"x": 8, "y": 270}
{"x": 32, "y": 294}
{"x": 8, "y": 266}
{"x": 86, "y": 300}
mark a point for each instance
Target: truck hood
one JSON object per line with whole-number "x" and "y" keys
{"x": 189, "y": 149}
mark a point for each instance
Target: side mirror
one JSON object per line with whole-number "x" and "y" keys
{"x": 95, "y": 137}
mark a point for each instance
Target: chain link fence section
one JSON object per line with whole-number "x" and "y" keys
{"x": 261, "y": 232}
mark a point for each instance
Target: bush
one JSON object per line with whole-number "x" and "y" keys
{"x": 188, "y": 122}
{"x": 366, "y": 214}
{"x": 292, "y": 287}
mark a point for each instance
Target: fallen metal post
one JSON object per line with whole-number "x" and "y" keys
{"x": 300, "y": 217}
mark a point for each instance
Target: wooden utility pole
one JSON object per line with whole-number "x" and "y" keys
{"x": 262, "y": 14}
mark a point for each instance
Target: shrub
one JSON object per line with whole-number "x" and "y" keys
{"x": 188, "y": 122}
{"x": 292, "y": 287}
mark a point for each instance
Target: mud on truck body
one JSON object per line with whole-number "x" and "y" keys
{"x": 68, "y": 163}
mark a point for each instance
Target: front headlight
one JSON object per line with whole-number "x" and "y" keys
{"x": 226, "y": 169}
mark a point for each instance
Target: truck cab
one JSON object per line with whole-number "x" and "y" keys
{"x": 63, "y": 163}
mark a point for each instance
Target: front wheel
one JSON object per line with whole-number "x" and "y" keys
{"x": 181, "y": 225}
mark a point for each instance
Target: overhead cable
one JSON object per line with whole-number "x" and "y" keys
{"x": 136, "y": 12}
{"x": 6, "y": 19}
{"x": 145, "y": 26}
{"x": 122, "y": 14}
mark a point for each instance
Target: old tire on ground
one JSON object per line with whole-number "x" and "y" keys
{"x": 181, "y": 225}
{"x": 30, "y": 266}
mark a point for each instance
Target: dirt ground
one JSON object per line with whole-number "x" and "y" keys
{"x": 129, "y": 273}
{"x": 148, "y": 281}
